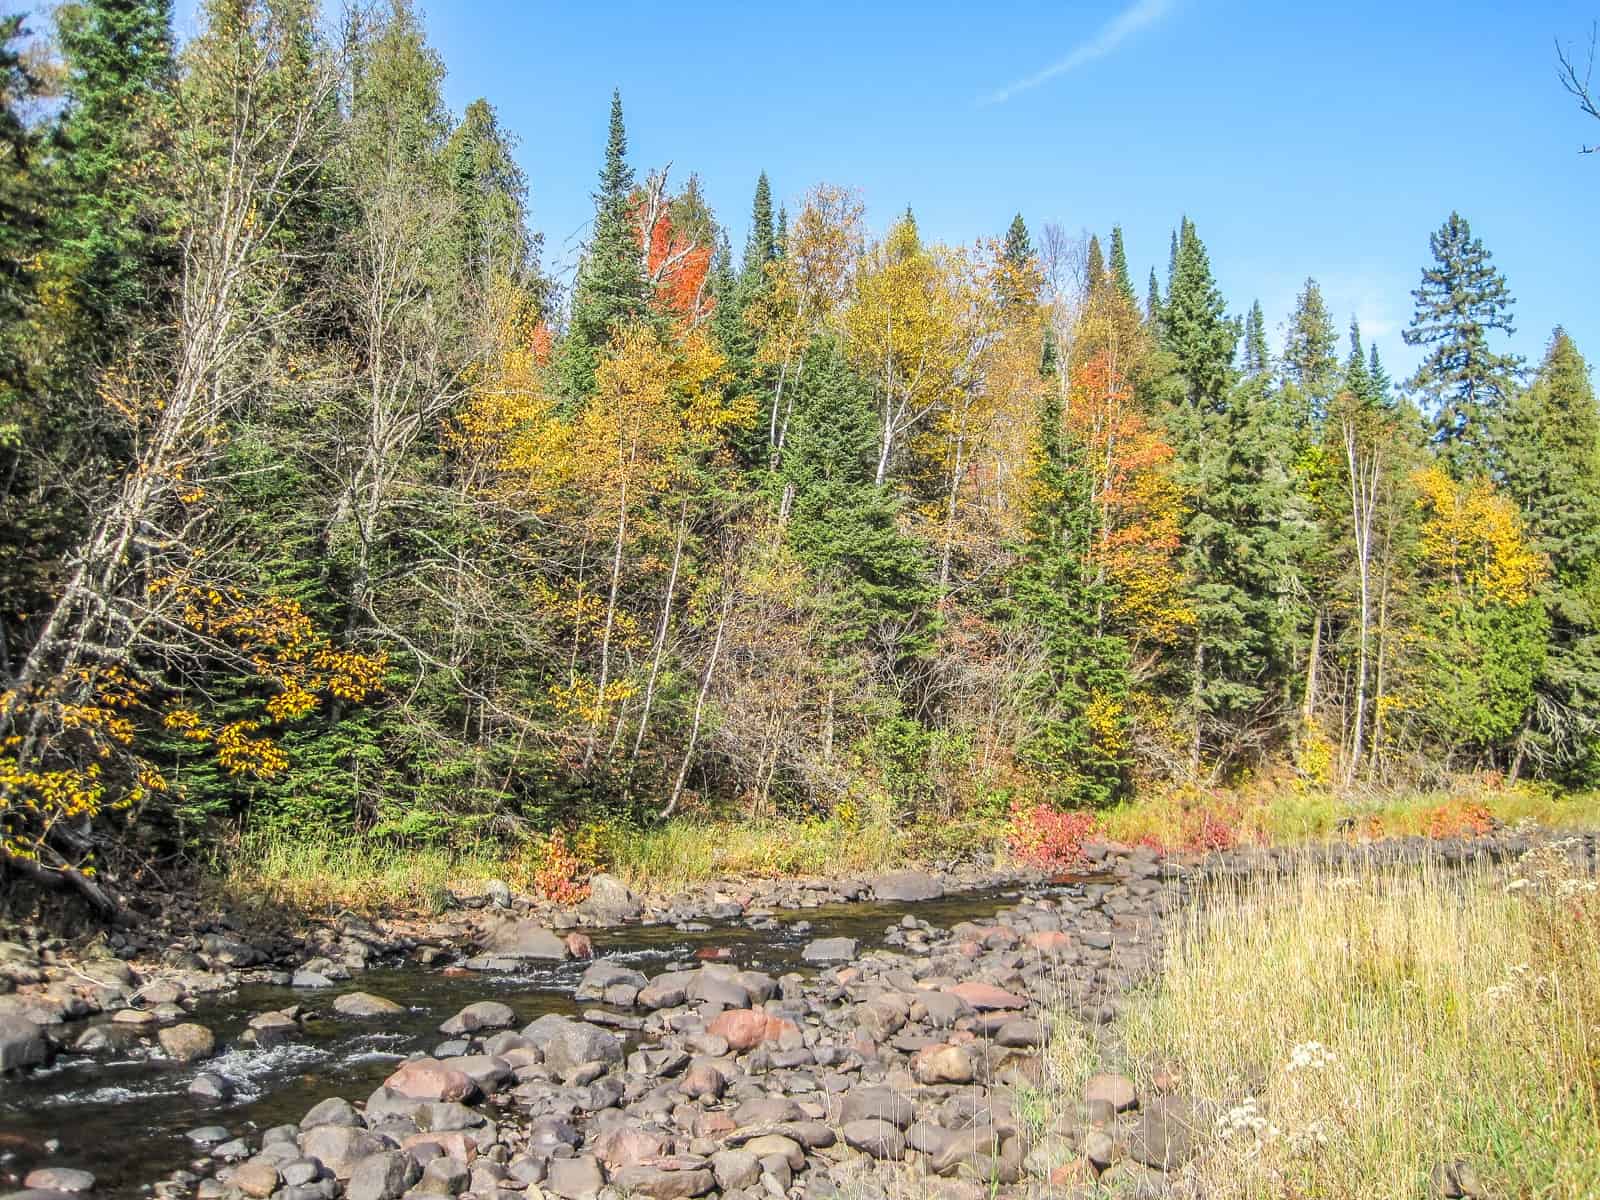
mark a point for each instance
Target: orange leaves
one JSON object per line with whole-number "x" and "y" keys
{"x": 678, "y": 268}
{"x": 1140, "y": 507}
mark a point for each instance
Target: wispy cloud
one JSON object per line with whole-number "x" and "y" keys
{"x": 1139, "y": 15}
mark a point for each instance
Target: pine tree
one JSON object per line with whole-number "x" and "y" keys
{"x": 1079, "y": 743}
{"x": 1119, "y": 268}
{"x": 1381, "y": 382}
{"x": 1310, "y": 360}
{"x": 780, "y": 237}
{"x": 1152, "y": 301}
{"x": 844, "y": 527}
{"x": 22, "y": 198}
{"x": 1018, "y": 246}
{"x": 1232, "y": 465}
{"x": 1257, "y": 359}
{"x": 491, "y": 194}
{"x": 611, "y": 288}
{"x": 1094, "y": 271}
{"x": 109, "y": 240}
{"x": 1463, "y": 297}
{"x": 760, "y": 247}
{"x": 1357, "y": 377}
{"x": 1551, "y": 464}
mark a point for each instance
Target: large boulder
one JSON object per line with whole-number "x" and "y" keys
{"x": 610, "y": 900}
{"x": 430, "y": 1079}
{"x": 830, "y": 950}
{"x": 659, "y": 1183}
{"x": 569, "y": 1044}
{"x": 604, "y": 976}
{"x": 524, "y": 939}
{"x": 365, "y": 1004}
{"x": 188, "y": 1043}
{"x": 907, "y": 886}
{"x": 485, "y": 1014}
{"x": 340, "y": 1148}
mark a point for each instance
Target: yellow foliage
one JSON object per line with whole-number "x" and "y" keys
{"x": 1473, "y": 537}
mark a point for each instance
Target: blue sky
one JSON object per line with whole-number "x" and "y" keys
{"x": 1303, "y": 139}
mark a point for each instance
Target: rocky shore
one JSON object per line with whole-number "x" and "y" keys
{"x": 908, "y": 1067}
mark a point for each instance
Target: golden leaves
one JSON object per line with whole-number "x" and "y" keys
{"x": 1473, "y": 537}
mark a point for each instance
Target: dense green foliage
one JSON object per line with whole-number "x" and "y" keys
{"x": 323, "y": 511}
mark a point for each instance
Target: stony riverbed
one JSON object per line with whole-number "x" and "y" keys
{"x": 858, "y": 1038}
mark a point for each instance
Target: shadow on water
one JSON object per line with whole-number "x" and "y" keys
{"x": 124, "y": 1116}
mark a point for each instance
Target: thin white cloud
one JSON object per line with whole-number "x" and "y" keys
{"x": 1139, "y": 15}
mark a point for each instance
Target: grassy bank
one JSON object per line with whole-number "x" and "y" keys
{"x": 1352, "y": 1031}
{"x": 370, "y": 875}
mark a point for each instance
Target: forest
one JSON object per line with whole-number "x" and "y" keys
{"x": 327, "y": 511}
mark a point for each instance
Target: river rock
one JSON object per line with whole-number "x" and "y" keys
{"x": 1165, "y": 1135}
{"x": 660, "y": 1184}
{"x": 524, "y": 939}
{"x": 876, "y": 1103}
{"x": 943, "y": 1064}
{"x": 1115, "y": 1090}
{"x": 188, "y": 1043}
{"x": 574, "y": 1178}
{"x": 365, "y": 1004}
{"x": 430, "y": 1079}
{"x": 610, "y": 901}
{"x": 335, "y": 1110}
{"x": 257, "y": 1178}
{"x": 735, "y": 1169}
{"x": 22, "y": 1043}
{"x": 877, "y": 1139}
{"x": 985, "y": 997}
{"x": 211, "y": 1087}
{"x": 382, "y": 1176}
{"x": 59, "y": 1179}
{"x": 830, "y": 950}
{"x": 907, "y": 886}
{"x": 485, "y": 1014}
{"x": 604, "y": 976}
{"x": 572, "y": 1044}
{"x": 339, "y": 1148}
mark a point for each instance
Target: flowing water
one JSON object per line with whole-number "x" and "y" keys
{"x": 124, "y": 1116}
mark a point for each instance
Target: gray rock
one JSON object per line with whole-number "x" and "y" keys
{"x": 830, "y": 950}
{"x": 310, "y": 979}
{"x": 907, "y": 886}
{"x": 365, "y": 1004}
{"x": 340, "y": 1148}
{"x": 485, "y": 1014}
{"x": 660, "y": 1184}
{"x": 574, "y": 1178}
{"x": 610, "y": 900}
{"x": 188, "y": 1043}
{"x": 498, "y": 893}
{"x": 59, "y": 1179}
{"x": 877, "y": 1139}
{"x": 211, "y": 1087}
{"x": 1164, "y": 1138}
{"x": 335, "y": 1110}
{"x": 524, "y": 939}
{"x": 877, "y": 1103}
{"x": 257, "y": 1178}
{"x": 735, "y": 1169}
{"x": 382, "y": 1176}
{"x": 22, "y": 1043}
{"x": 603, "y": 976}
{"x": 575, "y": 1043}
{"x": 1115, "y": 1090}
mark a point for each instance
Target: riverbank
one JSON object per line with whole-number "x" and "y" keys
{"x": 917, "y": 1039}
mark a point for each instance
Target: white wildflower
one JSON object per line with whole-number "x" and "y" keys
{"x": 1311, "y": 1056}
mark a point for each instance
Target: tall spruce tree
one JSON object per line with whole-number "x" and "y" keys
{"x": 1463, "y": 298}
{"x": 845, "y": 528}
{"x": 1079, "y": 689}
{"x": 1152, "y": 300}
{"x": 1256, "y": 358}
{"x": 1018, "y": 245}
{"x": 1232, "y": 464}
{"x": 1310, "y": 357}
{"x": 22, "y": 200}
{"x": 110, "y": 241}
{"x": 1551, "y": 465}
{"x": 1120, "y": 278}
{"x": 761, "y": 246}
{"x": 1094, "y": 269}
{"x": 611, "y": 288}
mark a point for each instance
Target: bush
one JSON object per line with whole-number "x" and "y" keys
{"x": 1040, "y": 835}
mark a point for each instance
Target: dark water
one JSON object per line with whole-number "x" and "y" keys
{"x": 124, "y": 1117}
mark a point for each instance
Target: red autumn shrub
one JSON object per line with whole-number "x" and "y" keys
{"x": 1459, "y": 819}
{"x": 1040, "y": 835}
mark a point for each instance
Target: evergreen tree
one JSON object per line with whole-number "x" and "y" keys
{"x": 491, "y": 195}
{"x": 610, "y": 289}
{"x": 110, "y": 242}
{"x": 1463, "y": 297}
{"x": 1232, "y": 464}
{"x": 1257, "y": 359}
{"x": 1357, "y": 377}
{"x": 780, "y": 237}
{"x": 760, "y": 247}
{"x": 1120, "y": 277}
{"x": 845, "y": 528}
{"x": 1377, "y": 375}
{"x": 22, "y": 200}
{"x": 1018, "y": 246}
{"x": 1551, "y": 468}
{"x": 1152, "y": 300}
{"x": 1094, "y": 272}
{"x": 1310, "y": 360}
{"x": 1079, "y": 743}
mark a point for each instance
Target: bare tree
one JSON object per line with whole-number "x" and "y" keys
{"x": 1578, "y": 86}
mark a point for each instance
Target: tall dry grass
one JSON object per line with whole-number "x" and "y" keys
{"x": 1356, "y": 1030}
